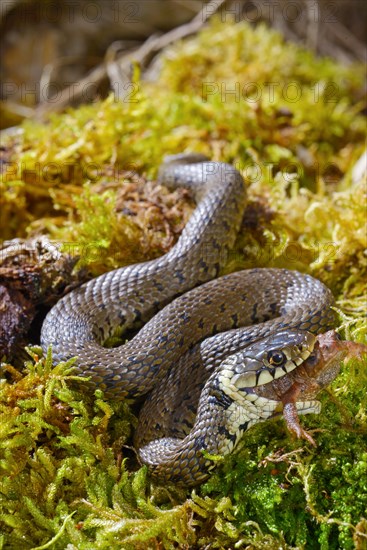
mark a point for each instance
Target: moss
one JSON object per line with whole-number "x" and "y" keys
{"x": 64, "y": 479}
{"x": 83, "y": 178}
{"x": 67, "y": 479}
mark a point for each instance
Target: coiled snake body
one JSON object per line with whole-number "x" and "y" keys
{"x": 216, "y": 344}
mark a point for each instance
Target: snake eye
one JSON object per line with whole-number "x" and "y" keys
{"x": 276, "y": 358}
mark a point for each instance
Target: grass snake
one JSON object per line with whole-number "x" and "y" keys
{"x": 215, "y": 355}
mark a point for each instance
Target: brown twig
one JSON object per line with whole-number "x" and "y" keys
{"x": 148, "y": 48}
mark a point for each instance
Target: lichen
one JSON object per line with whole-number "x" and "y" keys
{"x": 69, "y": 478}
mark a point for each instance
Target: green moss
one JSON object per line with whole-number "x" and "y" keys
{"x": 64, "y": 478}
{"x": 81, "y": 178}
{"x": 67, "y": 479}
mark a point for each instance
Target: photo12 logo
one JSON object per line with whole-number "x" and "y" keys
{"x": 272, "y": 11}
{"x": 252, "y": 92}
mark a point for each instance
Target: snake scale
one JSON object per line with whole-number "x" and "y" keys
{"x": 204, "y": 353}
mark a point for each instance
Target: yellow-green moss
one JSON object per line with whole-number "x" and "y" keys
{"x": 67, "y": 477}
{"x": 65, "y": 480}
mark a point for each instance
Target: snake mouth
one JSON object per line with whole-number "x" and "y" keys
{"x": 269, "y": 359}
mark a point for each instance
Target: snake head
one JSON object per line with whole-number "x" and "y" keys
{"x": 269, "y": 358}
{"x": 288, "y": 368}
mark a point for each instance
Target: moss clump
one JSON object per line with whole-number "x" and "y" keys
{"x": 64, "y": 476}
{"x": 67, "y": 479}
{"x": 316, "y": 136}
{"x": 81, "y": 178}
